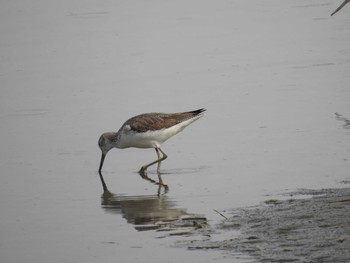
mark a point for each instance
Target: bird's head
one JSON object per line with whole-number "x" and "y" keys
{"x": 105, "y": 143}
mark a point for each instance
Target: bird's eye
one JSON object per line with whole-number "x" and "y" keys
{"x": 101, "y": 141}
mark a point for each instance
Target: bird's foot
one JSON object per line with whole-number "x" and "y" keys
{"x": 160, "y": 182}
{"x": 143, "y": 172}
{"x": 166, "y": 187}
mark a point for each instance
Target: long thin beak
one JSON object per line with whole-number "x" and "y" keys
{"x": 102, "y": 160}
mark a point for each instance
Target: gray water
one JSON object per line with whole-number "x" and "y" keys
{"x": 271, "y": 74}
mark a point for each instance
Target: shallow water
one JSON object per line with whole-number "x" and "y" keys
{"x": 272, "y": 75}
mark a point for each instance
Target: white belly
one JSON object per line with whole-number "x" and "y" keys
{"x": 150, "y": 139}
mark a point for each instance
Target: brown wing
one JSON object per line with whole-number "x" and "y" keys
{"x": 158, "y": 121}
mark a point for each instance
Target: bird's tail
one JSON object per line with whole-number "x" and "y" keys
{"x": 198, "y": 112}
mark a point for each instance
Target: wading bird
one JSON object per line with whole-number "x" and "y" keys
{"x": 147, "y": 130}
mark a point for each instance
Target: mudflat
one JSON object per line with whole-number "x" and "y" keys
{"x": 314, "y": 228}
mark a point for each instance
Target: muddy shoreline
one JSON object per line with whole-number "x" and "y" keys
{"x": 310, "y": 226}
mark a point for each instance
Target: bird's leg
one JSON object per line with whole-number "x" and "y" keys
{"x": 159, "y": 163}
{"x": 159, "y": 160}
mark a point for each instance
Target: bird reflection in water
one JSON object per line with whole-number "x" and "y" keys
{"x": 151, "y": 212}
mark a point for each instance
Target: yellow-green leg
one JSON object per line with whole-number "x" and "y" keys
{"x": 143, "y": 169}
{"x": 159, "y": 163}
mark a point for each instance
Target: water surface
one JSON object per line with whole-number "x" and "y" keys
{"x": 272, "y": 74}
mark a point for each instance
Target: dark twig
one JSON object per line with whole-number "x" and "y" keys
{"x": 220, "y": 214}
{"x": 340, "y": 7}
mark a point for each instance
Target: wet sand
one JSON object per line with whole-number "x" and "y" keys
{"x": 311, "y": 228}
